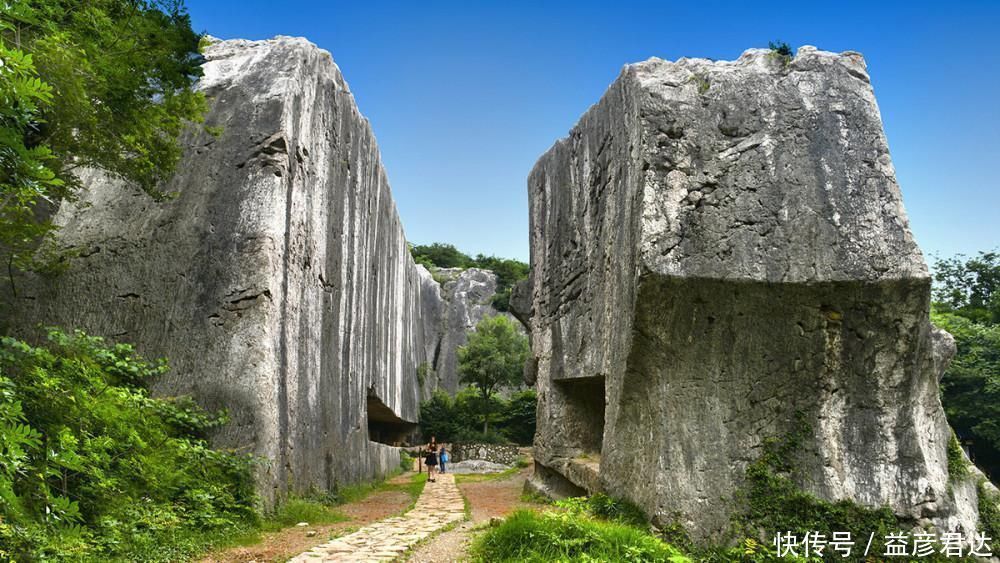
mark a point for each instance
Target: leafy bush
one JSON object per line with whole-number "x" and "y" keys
{"x": 104, "y": 84}
{"x": 781, "y": 52}
{"x": 569, "y": 536}
{"x": 93, "y": 468}
{"x": 970, "y": 388}
{"x": 405, "y": 461}
{"x": 989, "y": 512}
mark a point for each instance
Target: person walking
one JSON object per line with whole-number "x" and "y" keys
{"x": 443, "y": 460}
{"x": 431, "y": 461}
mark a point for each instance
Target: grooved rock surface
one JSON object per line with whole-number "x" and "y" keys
{"x": 278, "y": 282}
{"x": 468, "y": 296}
{"x": 716, "y": 247}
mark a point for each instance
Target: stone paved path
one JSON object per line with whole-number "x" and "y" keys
{"x": 439, "y": 504}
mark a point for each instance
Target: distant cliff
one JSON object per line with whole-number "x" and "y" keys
{"x": 278, "y": 281}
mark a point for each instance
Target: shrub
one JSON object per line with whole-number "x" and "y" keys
{"x": 781, "y": 51}
{"x": 92, "y": 467}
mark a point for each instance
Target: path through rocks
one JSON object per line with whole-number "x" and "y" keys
{"x": 440, "y": 504}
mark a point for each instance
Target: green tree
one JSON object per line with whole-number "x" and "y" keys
{"x": 967, "y": 304}
{"x": 968, "y": 286}
{"x": 88, "y": 83}
{"x": 440, "y": 255}
{"x": 492, "y": 359}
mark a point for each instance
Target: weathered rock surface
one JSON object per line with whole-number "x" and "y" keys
{"x": 716, "y": 247}
{"x": 468, "y": 295}
{"x": 278, "y": 282}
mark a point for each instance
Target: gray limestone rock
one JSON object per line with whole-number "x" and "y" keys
{"x": 719, "y": 249}
{"x": 278, "y": 282}
{"x": 468, "y": 296}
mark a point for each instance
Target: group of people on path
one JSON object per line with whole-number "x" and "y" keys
{"x": 435, "y": 456}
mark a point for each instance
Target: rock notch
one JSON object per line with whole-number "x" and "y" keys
{"x": 278, "y": 282}
{"x": 719, "y": 251}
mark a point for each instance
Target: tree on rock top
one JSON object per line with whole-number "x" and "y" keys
{"x": 493, "y": 358}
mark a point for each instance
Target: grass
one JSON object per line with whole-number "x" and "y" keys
{"x": 298, "y": 510}
{"x": 317, "y": 510}
{"x": 480, "y": 477}
{"x": 535, "y": 498}
{"x": 562, "y": 536}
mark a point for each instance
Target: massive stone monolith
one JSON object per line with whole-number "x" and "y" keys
{"x": 278, "y": 281}
{"x": 720, "y": 256}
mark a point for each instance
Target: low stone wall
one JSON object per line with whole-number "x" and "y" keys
{"x": 497, "y": 453}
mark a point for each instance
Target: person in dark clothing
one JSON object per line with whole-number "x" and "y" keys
{"x": 431, "y": 460}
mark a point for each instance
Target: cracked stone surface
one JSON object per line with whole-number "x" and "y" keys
{"x": 717, "y": 246}
{"x": 278, "y": 281}
{"x": 439, "y": 505}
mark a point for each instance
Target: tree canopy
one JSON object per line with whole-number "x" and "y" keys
{"x": 967, "y": 304}
{"x": 88, "y": 83}
{"x": 493, "y": 358}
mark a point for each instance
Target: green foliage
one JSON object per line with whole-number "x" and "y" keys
{"x": 313, "y": 511}
{"x": 103, "y": 83}
{"x": 27, "y": 170}
{"x": 970, "y": 388}
{"x": 958, "y": 468}
{"x": 453, "y": 420}
{"x": 405, "y": 461}
{"x": 989, "y": 511}
{"x": 781, "y": 51}
{"x": 771, "y": 502}
{"x": 702, "y": 82}
{"x": 423, "y": 370}
{"x": 508, "y": 272}
{"x": 440, "y": 255}
{"x": 93, "y": 468}
{"x": 968, "y": 287}
{"x": 493, "y": 358}
{"x": 569, "y": 536}
{"x": 604, "y": 507}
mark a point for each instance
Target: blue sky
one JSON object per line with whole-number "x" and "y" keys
{"x": 465, "y": 96}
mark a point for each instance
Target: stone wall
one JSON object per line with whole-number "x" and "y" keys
{"x": 278, "y": 282}
{"x": 719, "y": 249}
{"x": 505, "y": 454}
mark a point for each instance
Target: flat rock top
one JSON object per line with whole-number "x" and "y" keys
{"x": 770, "y": 169}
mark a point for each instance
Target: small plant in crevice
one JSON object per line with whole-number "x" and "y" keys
{"x": 958, "y": 467}
{"x": 701, "y": 82}
{"x": 781, "y": 52}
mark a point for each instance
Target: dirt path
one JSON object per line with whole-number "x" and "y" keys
{"x": 289, "y": 542}
{"x": 488, "y": 497}
{"x": 439, "y": 506}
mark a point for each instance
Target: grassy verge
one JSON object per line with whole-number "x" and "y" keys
{"x": 565, "y": 536}
{"x": 479, "y": 477}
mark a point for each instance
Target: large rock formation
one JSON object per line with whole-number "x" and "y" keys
{"x": 719, "y": 249}
{"x": 278, "y": 282}
{"x": 468, "y": 296}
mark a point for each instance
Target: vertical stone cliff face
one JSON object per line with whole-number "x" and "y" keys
{"x": 719, "y": 250}
{"x": 278, "y": 281}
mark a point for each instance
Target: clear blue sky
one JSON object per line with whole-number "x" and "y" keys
{"x": 464, "y": 96}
